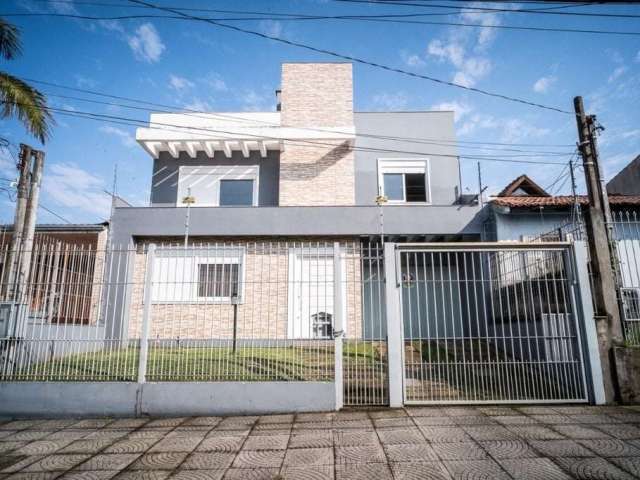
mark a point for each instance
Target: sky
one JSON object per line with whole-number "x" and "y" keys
{"x": 187, "y": 64}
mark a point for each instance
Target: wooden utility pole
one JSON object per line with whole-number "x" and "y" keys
{"x": 607, "y": 313}
{"x": 30, "y": 220}
{"x": 13, "y": 261}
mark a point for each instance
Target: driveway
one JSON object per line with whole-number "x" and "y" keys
{"x": 554, "y": 442}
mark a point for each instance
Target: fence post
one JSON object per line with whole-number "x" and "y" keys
{"x": 338, "y": 324}
{"x": 585, "y": 305}
{"x": 146, "y": 315}
{"x": 395, "y": 332}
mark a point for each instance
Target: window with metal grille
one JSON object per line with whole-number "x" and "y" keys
{"x": 631, "y": 303}
{"x": 218, "y": 280}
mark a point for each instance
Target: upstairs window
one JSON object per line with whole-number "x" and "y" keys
{"x": 218, "y": 185}
{"x": 404, "y": 181}
{"x": 236, "y": 193}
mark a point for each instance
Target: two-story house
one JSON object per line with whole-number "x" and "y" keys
{"x": 246, "y": 191}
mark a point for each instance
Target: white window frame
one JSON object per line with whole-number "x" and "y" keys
{"x": 186, "y": 275}
{"x": 403, "y": 166}
{"x": 216, "y": 174}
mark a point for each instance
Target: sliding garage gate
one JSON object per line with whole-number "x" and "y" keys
{"x": 490, "y": 324}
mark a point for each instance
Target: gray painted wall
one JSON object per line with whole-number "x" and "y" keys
{"x": 627, "y": 181}
{"x": 443, "y": 160}
{"x": 85, "y": 399}
{"x": 513, "y": 225}
{"x": 128, "y": 223}
{"x": 419, "y": 125}
{"x": 164, "y": 188}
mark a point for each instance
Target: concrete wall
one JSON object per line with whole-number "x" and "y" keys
{"x": 443, "y": 160}
{"x": 296, "y": 221}
{"x": 164, "y": 187}
{"x": 47, "y": 399}
{"x": 627, "y": 181}
{"x": 50, "y": 340}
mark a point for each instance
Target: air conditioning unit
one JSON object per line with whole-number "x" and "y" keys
{"x": 13, "y": 319}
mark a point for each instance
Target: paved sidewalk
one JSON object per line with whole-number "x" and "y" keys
{"x": 545, "y": 443}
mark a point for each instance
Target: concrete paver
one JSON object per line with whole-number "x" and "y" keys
{"x": 497, "y": 442}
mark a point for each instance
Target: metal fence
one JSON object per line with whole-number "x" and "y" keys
{"x": 490, "y": 324}
{"x": 625, "y": 237}
{"x": 365, "y": 361}
{"x": 215, "y": 311}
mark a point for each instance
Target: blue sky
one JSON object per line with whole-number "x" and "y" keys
{"x": 198, "y": 66}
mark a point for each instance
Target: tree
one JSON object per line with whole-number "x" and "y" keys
{"x": 18, "y": 98}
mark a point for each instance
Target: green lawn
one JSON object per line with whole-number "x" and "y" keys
{"x": 182, "y": 363}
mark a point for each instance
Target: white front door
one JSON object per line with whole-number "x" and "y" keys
{"x": 310, "y": 295}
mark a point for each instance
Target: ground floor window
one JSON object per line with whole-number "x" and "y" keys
{"x": 218, "y": 280}
{"x": 198, "y": 275}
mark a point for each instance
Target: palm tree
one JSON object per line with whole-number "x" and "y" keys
{"x": 17, "y": 98}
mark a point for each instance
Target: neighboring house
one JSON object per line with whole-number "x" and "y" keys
{"x": 523, "y": 210}
{"x": 308, "y": 172}
{"x": 63, "y": 290}
{"x": 627, "y": 181}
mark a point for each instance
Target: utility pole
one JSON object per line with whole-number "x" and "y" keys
{"x": 30, "y": 221}
{"x": 607, "y": 313}
{"x": 13, "y": 262}
{"x": 480, "y": 189}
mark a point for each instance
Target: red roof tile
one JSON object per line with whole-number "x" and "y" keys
{"x": 561, "y": 201}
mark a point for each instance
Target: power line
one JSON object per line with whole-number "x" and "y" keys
{"x": 375, "y": 19}
{"x": 472, "y": 9}
{"x": 207, "y": 115}
{"x": 457, "y": 9}
{"x": 182, "y": 129}
{"x": 378, "y": 137}
{"x": 40, "y": 205}
{"x": 358, "y": 60}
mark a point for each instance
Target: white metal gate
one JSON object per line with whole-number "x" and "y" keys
{"x": 490, "y": 323}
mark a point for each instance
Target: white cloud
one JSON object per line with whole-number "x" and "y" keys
{"x": 146, "y": 43}
{"x": 631, "y": 134}
{"x": 617, "y": 73}
{"x": 273, "y": 28}
{"x": 125, "y": 137}
{"x": 412, "y": 60}
{"x": 460, "y": 110}
{"x": 543, "y": 84}
{"x": 85, "y": 82}
{"x": 390, "y": 101}
{"x": 215, "y": 81}
{"x": 638, "y": 56}
{"x": 199, "y": 105}
{"x": 70, "y": 186}
{"x": 515, "y": 130}
{"x": 486, "y": 35}
{"x": 469, "y": 68}
{"x": 179, "y": 83}
{"x": 453, "y": 52}
{"x": 255, "y": 101}
{"x": 63, "y": 7}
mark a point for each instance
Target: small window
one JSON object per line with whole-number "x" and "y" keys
{"x": 404, "y": 180}
{"x": 394, "y": 186}
{"x": 631, "y": 303}
{"x": 236, "y": 193}
{"x": 415, "y": 187}
{"x": 218, "y": 280}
